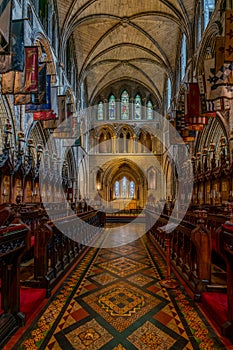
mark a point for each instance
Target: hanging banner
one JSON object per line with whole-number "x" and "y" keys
{"x": 50, "y": 124}
{"x": 189, "y": 136}
{"x": 22, "y": 99}
{"x": 44, "y": 115}
{"x": 17, "y": 37}
{"x": 198, "y": 120}
{"x": 180, "y": 120}
{"x": 208, "y": 108}
{"x": 228, "y": 36}
{"x": 213, "y": 106}
{"x": 196, "y": 127}
{"x": 40, "y": 97}
{"x": 75, "y": 127}
{"x": 189, "y": 139}
{"x": 15, "y": 60}
{"x": 44, "y": 106}
{"x": 27, "y": 82}
{"x": 61, "y": 99}
{"x": 201, "y": 84}
{"x": 15, "y": 82}
{"x": 19, "y": 83}
{"x": 218, "y": 85}
{"x": 193, "y": 100}
{"x": 5, "y": 22}
{"x": 31, "y": 69}
{"x": 8, "y": 83}
{"x": 219, "y": 52}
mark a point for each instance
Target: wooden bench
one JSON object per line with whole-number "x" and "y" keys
{"x": 13, "y": 243}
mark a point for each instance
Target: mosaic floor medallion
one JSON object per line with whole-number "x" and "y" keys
{"x": 104, "y": 278}
{"x": 122, "y": 266}
{"x": 140, "y": 280}
{"x": 88, "y": 336}
{"x": 121, "y": 304}
{"x": 113, "y": 301}
{"x": 119, "y": 347}
{"x": 151, "y": 337}
{"x": 125, "y": 250}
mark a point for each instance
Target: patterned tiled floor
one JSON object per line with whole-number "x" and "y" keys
{"x": 113, "y": 300}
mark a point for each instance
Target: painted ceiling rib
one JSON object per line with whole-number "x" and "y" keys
{"x": 145, "y": 35}
{"x": 136, "y": 46}
{"x": 112, "y": 29}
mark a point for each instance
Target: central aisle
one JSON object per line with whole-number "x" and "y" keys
{"x": 113, "y": 300}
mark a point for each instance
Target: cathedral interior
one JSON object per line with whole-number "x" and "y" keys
{"x": 116, "y": 174}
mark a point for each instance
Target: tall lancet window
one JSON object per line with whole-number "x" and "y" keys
{"x": 100, "y": 112}
{"x": 183, "y": 57}
{"x": 169, "y": 92}
{"x": 149, "y": 110}
{"x": 125, "y": 105}
{"x": 137, "y": 107}
{"x": 132, "y": 189}
{"x": 112, "y": 107}
{"x": 117, "y": 189}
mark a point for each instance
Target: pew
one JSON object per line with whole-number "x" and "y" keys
{"x": 219, "y": 304}
{"x": 5, "y": 215}
{"x": 13, "y": 243}
{"x": 59, "y": 243}
{"x": 225, "y": 241}
{"x": 190, "y": 250}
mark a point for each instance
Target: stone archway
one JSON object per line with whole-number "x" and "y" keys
{"x": 117, "y": 170}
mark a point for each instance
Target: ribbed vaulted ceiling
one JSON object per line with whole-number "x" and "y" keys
{"x": 136, "y": 40}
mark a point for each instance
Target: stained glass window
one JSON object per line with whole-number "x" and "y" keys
{"x": 125, "y": 105}
{"x": 209, "y": 6}
{"x": 100, "y": 113}
{"x": 117, "y": 189}
{"x": 124, "y": 187}
{"x": 112, "y": 107}
{"x": 137, "y": 107}
{"x": 149, "y": 110}
{"x": 132, "y": 189}
{"x": 169, "y": 92}
{"x": 183, "y": 57}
